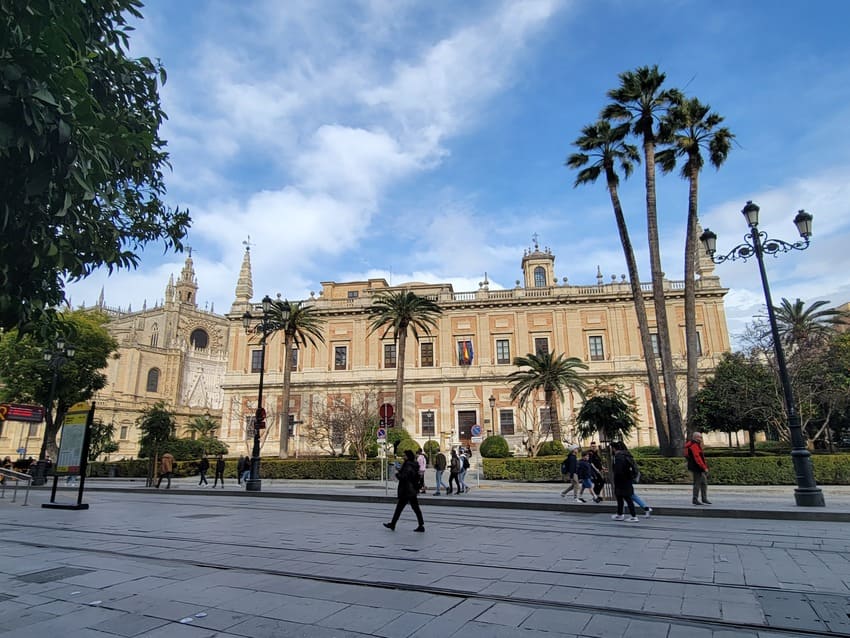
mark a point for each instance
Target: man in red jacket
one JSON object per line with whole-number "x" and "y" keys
{"x": 698, "y": 468}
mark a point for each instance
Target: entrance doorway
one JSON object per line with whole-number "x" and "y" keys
{"x": 465, "y": 420}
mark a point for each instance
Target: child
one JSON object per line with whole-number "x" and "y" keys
{"x": 585, "y": 473}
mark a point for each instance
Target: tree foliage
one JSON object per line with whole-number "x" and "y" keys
{"x": 81, "y": 159}
{"x": 609, "y": 411}
{"x": 349, "y": 422}
{"x": 101, "y": 439}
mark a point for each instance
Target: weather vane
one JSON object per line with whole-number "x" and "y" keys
{"x": 247, "y": 243}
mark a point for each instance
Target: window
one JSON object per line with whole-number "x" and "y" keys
{"x": 427, "y": 355}
{"x": 353, "y": 294}
{"x": 541, "y": 345}
{"x": 595, "y": 347}
{"x": 341, "y": 358}
{"x": 428, "y": 423}
{"x": 154, "y": 335}
{"x": 389, "y": 355}
{"x": 546, "y": 418}
{"x": 337, "y": 433}
{"x": 123, "y": 433}
{"x": 506, "y": 422}
{"x": 33, "y": 429}
{"x": 699, "y": 344}
{"x": 503, "y": 351}
{"x": 291, "y": 426}
{"x": 465, "y": 353}
{"x": 153, "y": 379}
{"x": 653, "y": 337}
{"x": 200, "y": 339}
{"x": 539, "y": 277}
{"x": 293, "y": 355}
{"x": 256, "y": 360}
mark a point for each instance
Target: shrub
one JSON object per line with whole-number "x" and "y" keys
{"x": 551, "y": 448}
{"x": 186, "y": 449}
{"x": 407, "y": 444}
{"x": 431, "y": 448}
{"x": 495, "y": 447}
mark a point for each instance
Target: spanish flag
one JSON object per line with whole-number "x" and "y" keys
{"x": 466, "y": 353}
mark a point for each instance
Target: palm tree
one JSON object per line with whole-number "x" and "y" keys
{"x": 204, "y": 426}
{"x": 640, "y": 101}
{"x": 157, "y": 426}
{"x": 801, "y": 326}
{"x": 693, "y": 128}
{"x": 396, "y": 312}
{"x": 606, "y": 146}
{"x": 300, "y": 327}
{"x": 551, "y": 374}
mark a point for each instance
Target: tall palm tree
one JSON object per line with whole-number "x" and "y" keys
{"x": 693, "y": 129}
{"x": 300, "y": 327}
{"x": 605, "y": 147}
{"x": 397, "y": 312}
{"x": 641, "y": 101}
{"x": 551, "y": 374}
{"x": 801, "y": 326}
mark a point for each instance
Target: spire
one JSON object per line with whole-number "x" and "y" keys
{"x": 245, "y": 285}
{"x": 705, "y": 266}
{"x": 187, "y": 285}
{"x": 100, "y": 298}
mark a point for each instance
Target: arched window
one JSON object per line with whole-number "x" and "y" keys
{"x": 539, "y": 277}
{"x": 153, "y": 379}
{"x": 154, "y": 335}
{"x": 199, "y": 339}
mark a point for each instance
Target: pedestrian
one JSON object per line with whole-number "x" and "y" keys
{"x": 166, "y": 469}
{"x": 422, "y": 462}
{"x": 569, "y": 472}
{"x": 240, "y": 467}
{"x": 463, "y": 457}
{"x": 624, "y": 471}
{"x": 219, "y": 471}
{"x": 408, "y": 486}
{"x": 698, "y": 469}
{"x": 203, "y": 466}
{"x": 598, "y": 478}
{"x": 647, "y": 510}
{"x": 585, "y": 471}
{"x": 246, "y": 469}
{"x": 454, "y": 471}
{"x": 439, "y": 469}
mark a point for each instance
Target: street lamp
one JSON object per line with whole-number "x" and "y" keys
{"x": 56, "y": 356}
{"x": 807, "y": 493}
{"x": 266, "y": 326}
{"x": 492, "y": 402}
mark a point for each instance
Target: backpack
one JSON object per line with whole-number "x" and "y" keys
{"x": 465, "y": 461}
{"x": 564, "y": 466}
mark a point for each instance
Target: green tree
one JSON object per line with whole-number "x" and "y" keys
{"x": 205, "y": 427}
{"x": 641, "y": 101}
{"x": 609, "y": 411}
{"x": 742, "y": 395}
{"x": 553, "y": 375}
{"x": 302, "y": 326}
{"x": 81, "y": 159}
{"x": 693, "y": 128}
{"x": 158, "y": 426}
{"x": 602, "y": 149}
{"x": 101, "y": 439}
{"x": 26, "y": 377}
{"x": 398, "y": 312}
{"x": 801, "y": 326}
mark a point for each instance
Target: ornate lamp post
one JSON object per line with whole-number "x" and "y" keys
{"x": 56, "y": 357}
{"x": 757, "y": 243}
{"x": 266, "y": 327}
{"x": 492, "y": 402}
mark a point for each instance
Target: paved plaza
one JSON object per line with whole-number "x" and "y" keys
{"x": 312, "y": 559}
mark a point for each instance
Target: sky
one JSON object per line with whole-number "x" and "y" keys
{"x": 426, "y": 141}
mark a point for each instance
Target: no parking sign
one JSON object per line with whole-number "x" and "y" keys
{"x": 382, "y": 434}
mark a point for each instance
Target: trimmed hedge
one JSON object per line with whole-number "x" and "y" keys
{"x": 761, "y": 470}
{"x": 319, "y": 468}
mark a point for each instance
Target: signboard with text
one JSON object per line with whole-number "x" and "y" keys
{"x": 21, "y": 412}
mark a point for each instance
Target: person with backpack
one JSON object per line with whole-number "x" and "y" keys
{"x": 569, "y": 472}
{"x": 647, "y": 510}
{"x": 454, "y": 472}
{"x": 408, "y": 487}
{"x": 698, "y": 469}
{"x": 439, "y": 469}
{"x": 598, "y": 476}
{"x": 624, "y": 471}
{"x": 464, "y": 467}
{"x": 585, "y": 471}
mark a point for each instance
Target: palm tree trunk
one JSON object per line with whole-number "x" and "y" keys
{"x": 674, "y": 411}
{"x": 691, "y": 343}
{"x": 287, "y": 375}
{"x": 656, "y": 398}
{"x": 399, "y": 378}
{"x": 552, "y": 415}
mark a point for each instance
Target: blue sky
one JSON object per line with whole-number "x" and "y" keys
{"x": 425, "y": 141}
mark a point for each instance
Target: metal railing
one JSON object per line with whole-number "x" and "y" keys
{"x": 11, "y": 475}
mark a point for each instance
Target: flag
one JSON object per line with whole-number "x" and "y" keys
{"x": 466, "y": 353}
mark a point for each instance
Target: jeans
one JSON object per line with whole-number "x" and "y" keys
{"x": 639, "y": 501}
{"x": 462, "y": 478}
{"x": 439, "y": 481}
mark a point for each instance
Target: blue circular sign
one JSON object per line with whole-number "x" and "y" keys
{"x": 476, "y": 430}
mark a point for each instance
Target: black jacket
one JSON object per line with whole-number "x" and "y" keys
{"x": 408, "y": 479}
{"x": 204, "y": 465}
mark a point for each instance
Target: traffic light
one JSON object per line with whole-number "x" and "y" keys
{"x": 260, "y": 418}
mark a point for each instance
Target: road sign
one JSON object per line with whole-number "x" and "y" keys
{"x": 386, "y": 411}
{"x": 21, "y": 412}
{"x": 476, "y": 439}
{"x": 476, "y": 430}
{"x": 22, "y": 451}
{"x": 382, "y": 434}
{"x": 387, "y": 423}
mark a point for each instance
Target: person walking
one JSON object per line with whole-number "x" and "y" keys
{"x": 598, "y": 477}
{"x": 166, "y": 469}
{"x": 585, "y": 471}
{"x": 454, "y": 471}
{"x": 463, "y": 457}
{"x": 240, "y": 468}
{"x": 422, "y": 462}
{"x": 219, "y": 471}
{"x": 698, "y": 469}
{"x": 624, "y": 471}
{"x": 203, "y": 467}
{"x": 408, "y": 486}
{"x": 439, "y": 469}
{"x": 246, "y": 469}
{"x": 647, "y": 510}
{"x": 569, "y": 471}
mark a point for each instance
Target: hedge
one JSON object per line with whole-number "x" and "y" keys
{"x": 319, "y": 468}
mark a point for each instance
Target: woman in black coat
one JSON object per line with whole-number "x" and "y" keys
{"x": 625, "y": 471}
{"x": 408, "y": 487}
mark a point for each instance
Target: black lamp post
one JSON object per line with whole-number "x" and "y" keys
{"x": 492, "y": 402}
{"x": 266, "y": 326}
{"x": 56, "y": 357}
{"x": 807, "y": 493}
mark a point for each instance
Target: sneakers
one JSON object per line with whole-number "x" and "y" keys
{"x": 390, "y": 526}
{"x": 618, "y": 517}
{"x": 421, "y": 528}
{"x": 598, "y": 499}
{"x": 581, "y": 500}
{"x": 632, "y": 519}
{"x": 706, "y": 502}
{"x": 436, "y": 493}
{"x": 696, "y": 502}
{"x": 648, "y": 512}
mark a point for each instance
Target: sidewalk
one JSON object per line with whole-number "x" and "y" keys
{"x": 762, "y": 501}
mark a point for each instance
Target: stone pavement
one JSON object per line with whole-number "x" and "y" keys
{"x": 187, "y": 562}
